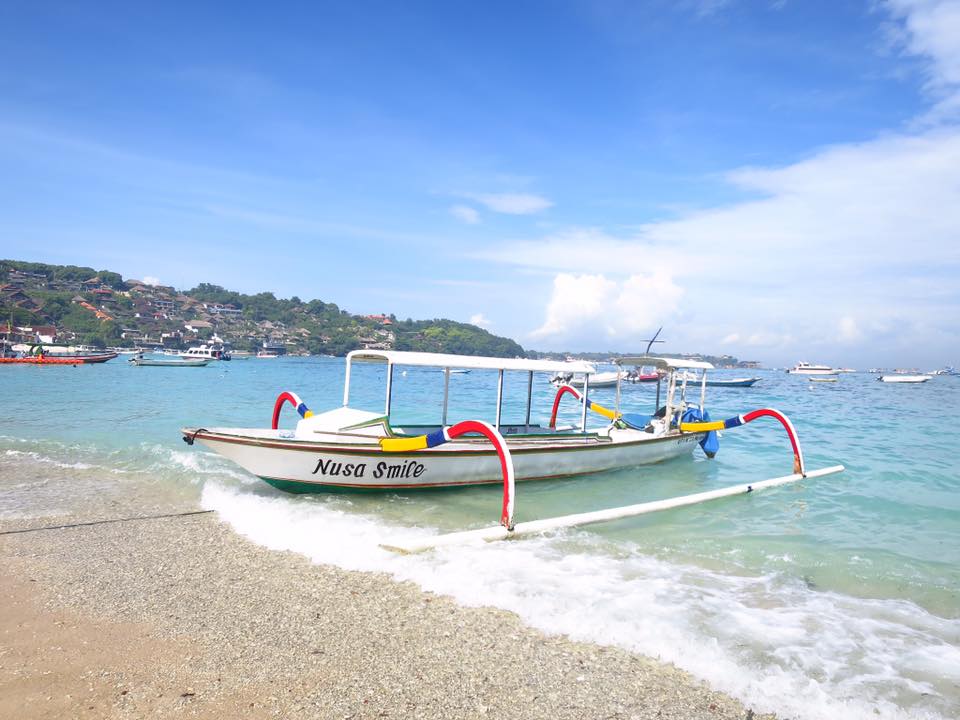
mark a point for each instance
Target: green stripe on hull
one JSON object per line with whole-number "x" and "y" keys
{"x": 303, "y": 488}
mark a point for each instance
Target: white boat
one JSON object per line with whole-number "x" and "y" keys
{"x": 349, "y": 448}
{"x": 805, "y": 368}
{"x": 205, "y": 352}
{"x": 904, "y": 378}
{"x": 141, "y": 361}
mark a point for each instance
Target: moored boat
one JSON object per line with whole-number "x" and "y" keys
{"x": 805, "y": 368}
{"x": 205, "y": 352}
{"x": 904, "y": 378}
{"x": 733, "y": 382}
{"x": 141, "y": 361}
{"x": 37, "y": 356}
{"x": 351, "y": 449}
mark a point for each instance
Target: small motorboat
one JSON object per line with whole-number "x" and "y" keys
{"x": 141, "y": 361}
{"x": 823, "y": 379}
{"x": 904, "y": 378}
{"x": 733, "y": 382}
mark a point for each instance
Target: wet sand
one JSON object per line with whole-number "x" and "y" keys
{"x": 181, "y": 617}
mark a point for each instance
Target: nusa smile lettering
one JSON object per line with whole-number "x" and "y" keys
{"x": 391, "y": 471}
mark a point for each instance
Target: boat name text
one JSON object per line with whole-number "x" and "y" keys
{"x": 391, "y": 471}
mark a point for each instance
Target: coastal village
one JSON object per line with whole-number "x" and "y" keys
{"x": 53, "y": 304}
{"x": 77, "y": 305}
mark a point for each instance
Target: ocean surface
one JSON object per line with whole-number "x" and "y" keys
{"x": 838, "y": 597}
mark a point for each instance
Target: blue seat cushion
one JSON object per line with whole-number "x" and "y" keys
{"x": 635, "y": 420}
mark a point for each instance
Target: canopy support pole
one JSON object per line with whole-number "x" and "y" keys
{"x": 446, "y": 394}
{"x": 386, "y": 410}
{"x": 526, "y": 426}
{"x": 583, "y": 410}
{"x": 499, "y": 399}
{"x": 346, "y": 384}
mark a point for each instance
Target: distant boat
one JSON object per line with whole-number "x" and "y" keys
{"x": 152, "y": 362}
{"x": 846, "y": 370}
{"x": 823, "y": 379}
{"x": 42, "y": 359}
{"x": 733, "y": 382}
{"x": 597, "y": 380}
{"x": 904, "y": 378}
{"x": 805, "y": 368}
{"x": 206, "y": 352}
{"x": 35, "y": 354}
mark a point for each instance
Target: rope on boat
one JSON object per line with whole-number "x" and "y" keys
{"x": 565, "y": 388}
{"x": 105, "y": 522}
{"x": 294, "y": 399}
{"x": 737, "y": 421}
{"x": 443, "y": 435}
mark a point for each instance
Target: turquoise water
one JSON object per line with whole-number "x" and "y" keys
{"x": 839, "y": 595}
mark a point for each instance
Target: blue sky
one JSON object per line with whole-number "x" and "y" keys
{"x": 777, "y": 180}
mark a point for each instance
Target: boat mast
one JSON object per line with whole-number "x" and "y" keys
{"x": 650, "y": 343}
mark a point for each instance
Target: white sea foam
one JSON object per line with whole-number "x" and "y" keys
{"x": 37, "y": 457}
{"x": 771, "y": 641}
{"x": 191, "y": 465}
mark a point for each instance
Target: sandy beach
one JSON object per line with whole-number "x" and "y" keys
{"x": 181, "y": 617}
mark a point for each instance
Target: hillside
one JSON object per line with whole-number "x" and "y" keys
{"x": 100, "y": 308}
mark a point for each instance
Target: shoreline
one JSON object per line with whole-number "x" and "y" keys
{"x": 182, "y": 615}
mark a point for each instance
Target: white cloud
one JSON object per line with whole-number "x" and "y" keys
{"x": 848, "y": 331}
{"x": 479, "y": 320}
{"x": 512, "y": 203}
{"x": 731, "y": 339}
{"x": 595, "y": 309}
{"x": 930, "y": 29}
{"x": 465, "y": 213}
{"x": 872, "y": 225}
{"x": 149, "y": 280}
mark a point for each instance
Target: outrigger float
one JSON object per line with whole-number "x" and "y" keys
{"x": 348, "y": 449}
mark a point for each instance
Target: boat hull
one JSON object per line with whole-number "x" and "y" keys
{"x": 745, "y": 382}
{"x": 170, "y": 363}
{"x": 58, "y": 359}
{"x": 304, "y": 467}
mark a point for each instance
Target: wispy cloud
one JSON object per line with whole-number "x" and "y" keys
{"x": 854, "y": 228}
{"x": 479, "y": 320}
{"x": 466, "y": 214}
{"x": 512, "y": 203}
{"x": 930, "y": 29}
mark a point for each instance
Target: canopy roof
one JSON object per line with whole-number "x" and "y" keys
{"x": 423, "y": 359}
{"x": 663, "y": 363}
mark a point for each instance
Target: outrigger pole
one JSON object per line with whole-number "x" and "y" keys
{"x": 533, "y": 527}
